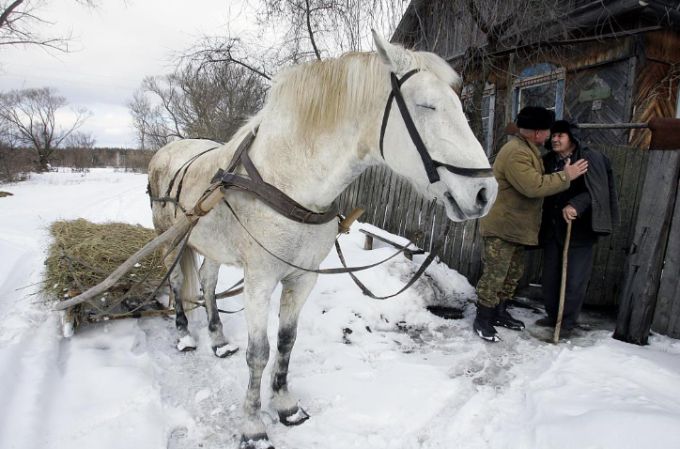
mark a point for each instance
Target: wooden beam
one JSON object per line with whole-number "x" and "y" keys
{"x": 644, "y": 265}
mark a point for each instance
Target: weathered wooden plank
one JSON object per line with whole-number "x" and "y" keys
{"x": 417, "y": 222}
{"x": 367, "y": 188}
{"x": 475, "y": 270}
{"x": 439, "y": 221}
{"x": 376, "y": 205}
{"x": 457, "y": 243}
{"x": 362, "y": 198}
{"x": 393, "y": 200}
{"x": 621, "y": 238}
{"x": 385, "y": 184}
{"x": 643, "y": 266}
{"x": 398, "y": 217}
{"x": 667, "y": 313}
{"x": 467, "y": 242}
{"x": 410, "y": 211}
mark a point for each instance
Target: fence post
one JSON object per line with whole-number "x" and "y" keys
{"x": 648, "y": 250}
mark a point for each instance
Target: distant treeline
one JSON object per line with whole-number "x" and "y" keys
{"x": 16, "y": 163}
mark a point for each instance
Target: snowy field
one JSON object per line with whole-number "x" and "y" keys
{"x": 372, "y": 374}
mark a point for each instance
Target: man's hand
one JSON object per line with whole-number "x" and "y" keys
{"x": 569, "y": 213}
{"x": 576, "y": 169}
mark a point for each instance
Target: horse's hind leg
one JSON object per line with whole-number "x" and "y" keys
{"x": 181, "y": 286}
{"x": 208, "y": 275}
{"x": 294, "y": 294}
{"x": 257, "y": 291}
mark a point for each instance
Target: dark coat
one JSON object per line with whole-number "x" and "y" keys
{"x": 594, "y": 197}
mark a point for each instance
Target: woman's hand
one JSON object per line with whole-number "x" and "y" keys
{"x": 569, "y": 213}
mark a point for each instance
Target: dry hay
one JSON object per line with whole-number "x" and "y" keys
{"x": 83, "y": 254}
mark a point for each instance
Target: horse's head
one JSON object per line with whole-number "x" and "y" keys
{"x": 426, "y": 138}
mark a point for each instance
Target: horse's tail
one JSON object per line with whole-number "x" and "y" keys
{"x": 190, "y": 284}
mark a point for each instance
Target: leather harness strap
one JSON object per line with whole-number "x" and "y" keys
{"x": 429, "y": 164}
{"x": 252, "y": 183}
{"x": 267, "y": 193}
{"x": 184, "y": 166}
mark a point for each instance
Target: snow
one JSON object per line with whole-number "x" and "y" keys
{"x": 378, "y": 374}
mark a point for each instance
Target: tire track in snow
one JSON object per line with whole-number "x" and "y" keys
{"x": 28, "y": 384}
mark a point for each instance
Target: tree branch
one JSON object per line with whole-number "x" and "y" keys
{"x": 310, "y": 31}
{"x": 8, "y": 11}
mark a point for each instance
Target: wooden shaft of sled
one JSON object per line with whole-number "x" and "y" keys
{"x": 351, "y": 218}
{"x": 563, "y": 284}
{"x": 209, "y": 200}
{"x": 173, "y": 236}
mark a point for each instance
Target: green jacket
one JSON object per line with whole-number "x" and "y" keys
{"x": 522, "y": 184}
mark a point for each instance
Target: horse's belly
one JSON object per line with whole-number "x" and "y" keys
{"x": 261, "y": 231}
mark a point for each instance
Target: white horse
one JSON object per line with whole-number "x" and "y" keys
{"x": 323, "y": 124}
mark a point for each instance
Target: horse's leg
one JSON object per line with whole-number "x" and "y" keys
{"x": 208, "y": 275}
{"x": 258, "y": 289}
{"x": 294, "y": 294}
{"x": 178, "y": 288}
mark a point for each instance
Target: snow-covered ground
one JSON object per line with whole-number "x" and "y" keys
{"x": 372, "y": 374}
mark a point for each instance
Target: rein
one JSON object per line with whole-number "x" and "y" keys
{"x": 236, "y": 288}
{"x": 429, "y": 164}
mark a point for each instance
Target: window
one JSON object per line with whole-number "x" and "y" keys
{"x": 540, "y": 85}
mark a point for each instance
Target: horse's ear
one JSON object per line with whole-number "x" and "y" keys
{"x": 392, "y": 56}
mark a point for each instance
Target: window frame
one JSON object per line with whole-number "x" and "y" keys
{"x": 555, "y": 75}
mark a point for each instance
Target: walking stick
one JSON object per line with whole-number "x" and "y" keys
{"x": 563, "y": 284}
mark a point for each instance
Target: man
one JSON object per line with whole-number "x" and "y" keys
{"x": 590, "y": 204}
{"x": 515, "y": 217}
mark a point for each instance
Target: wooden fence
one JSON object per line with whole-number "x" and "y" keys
{"x": 651, "y": 294}
{"x": 392, "y": 204}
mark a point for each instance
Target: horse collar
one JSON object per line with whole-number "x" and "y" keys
{"x": 429, "y": 164}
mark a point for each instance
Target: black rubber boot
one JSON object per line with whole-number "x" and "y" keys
{"x": 483, "y": 326}
{"x": 503, "y": 318}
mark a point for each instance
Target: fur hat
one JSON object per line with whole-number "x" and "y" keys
{"x": 535, "y": 117}
{"x": 562, "y": 126}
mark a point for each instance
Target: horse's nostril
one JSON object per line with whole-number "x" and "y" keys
{"x": 482, "y": 197}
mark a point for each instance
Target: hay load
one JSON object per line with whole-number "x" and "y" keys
{"x": 83, "y": 254}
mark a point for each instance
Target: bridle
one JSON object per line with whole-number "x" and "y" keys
{"x": 429, "y": 164}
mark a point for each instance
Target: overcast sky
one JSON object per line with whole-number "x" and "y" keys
{"x": 114, "y": 47}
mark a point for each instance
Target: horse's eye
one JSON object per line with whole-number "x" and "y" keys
{"x": 427, "y": 106}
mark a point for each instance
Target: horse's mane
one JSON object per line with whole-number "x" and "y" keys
{"x": 321, "y": 94}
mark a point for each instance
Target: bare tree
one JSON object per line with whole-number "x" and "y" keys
{"x": 312, "y": 29}
{"x": 21, "y": 24}
{"x": 209, "y": 101}
{"x": 81, "y": 140}
{"x": 31, "y": 115}
{"x": 321, "y": 28}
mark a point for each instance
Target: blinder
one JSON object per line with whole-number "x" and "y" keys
{"x": 429, "y": 164}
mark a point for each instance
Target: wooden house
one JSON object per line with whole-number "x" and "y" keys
{"x": 601, "y": 62}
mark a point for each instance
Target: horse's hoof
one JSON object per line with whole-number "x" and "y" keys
{"x": 186, "y": 343}
{"x": 293, "y": 417}
{"x": 259, "y": 441}
{"x": 225, "y": 350}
